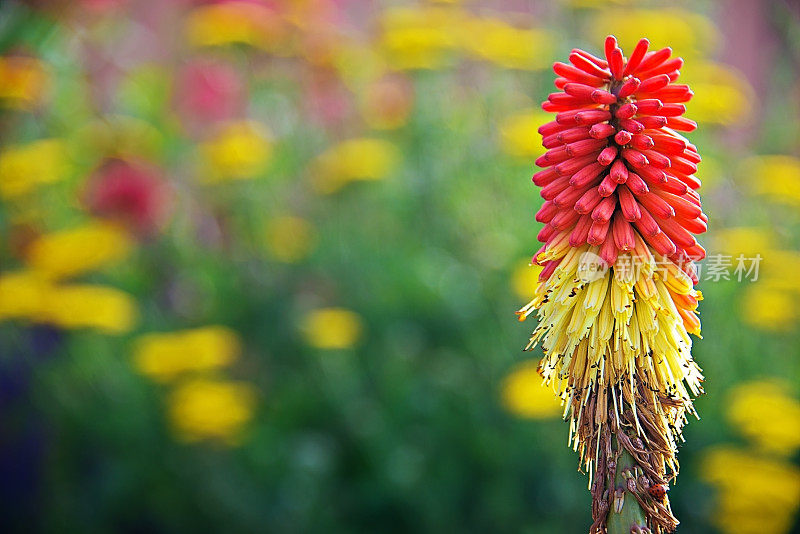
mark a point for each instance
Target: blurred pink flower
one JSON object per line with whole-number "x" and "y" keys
{"x": 208, "y": 91}
{"x": 327, "y": 100}
{"x": 131, "y": 193}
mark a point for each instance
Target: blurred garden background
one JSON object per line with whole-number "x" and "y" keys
{"x": 259, "y": 262}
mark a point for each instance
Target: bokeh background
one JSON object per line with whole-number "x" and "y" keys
{"x": 259, "y": 262}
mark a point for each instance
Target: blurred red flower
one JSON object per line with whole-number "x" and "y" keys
{"x": 130, "y": 192}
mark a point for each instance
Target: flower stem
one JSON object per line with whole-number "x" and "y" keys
{"x": 630, "y": 518}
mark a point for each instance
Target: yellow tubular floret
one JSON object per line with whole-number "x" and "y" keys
{"x": 620, "y": 338}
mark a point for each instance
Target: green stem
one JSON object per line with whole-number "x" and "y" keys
{"x": 631, "y": 515}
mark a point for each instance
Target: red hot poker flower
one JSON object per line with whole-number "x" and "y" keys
{"x": 618, "y": 182}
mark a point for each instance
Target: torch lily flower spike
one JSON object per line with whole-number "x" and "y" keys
{"x": 616, "y": 300}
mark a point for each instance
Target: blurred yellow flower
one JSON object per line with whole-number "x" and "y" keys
{"x": 519, "y": 136}
{"x": 290, "y": 239}
{"x": 514, "y": 48}
{"x": 525, "y": 278}
{"x": 22, "y": 81}
{"x": 241, "y": 150}
{"x": 332, "y": 328}
{"x": 769, "y": 309}
{"x": 688, "y": 33}
{"x": 775, "y": 177}
{"x": 237, "y": 22}
{"x": 756, "y": 495}
{"x": 766, "y": 413}
{"x": 779, "y": 270}
{"x": 525, "y": 395}
{"x": 24, "y": 167}
{"x": 164, "y": 356}
{"x": 357, "y": 64}
{"x": 78, "y": 250}
{"x": 22, "y": 294}
{"x": 431, "y": 37}
{"x": 28, "y": 295}
{"x": 421, "y": 37}
{"x": 88, "y": 306}
{"x": 211, "y": 409}
{"x": 721, "y": 94}
{"x": 353, "y": 160}
{"x": 743, "y": 240}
